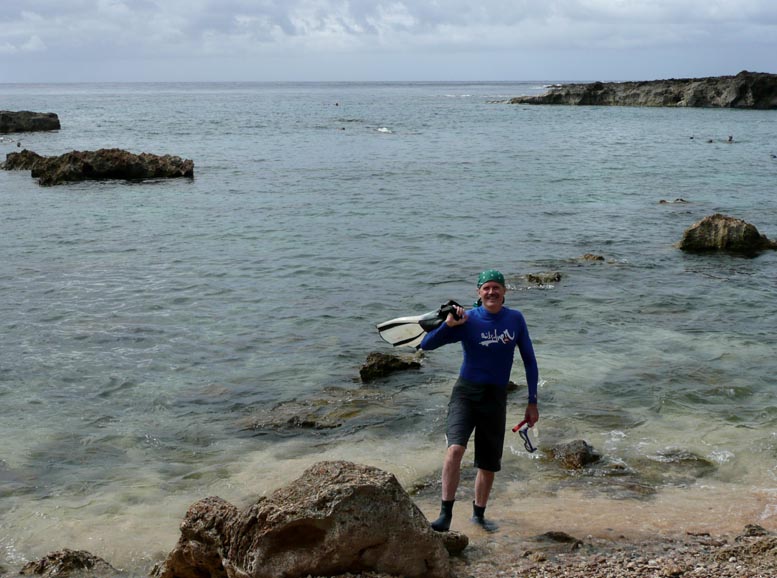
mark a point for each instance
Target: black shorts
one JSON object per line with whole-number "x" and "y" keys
{"x": 482, "y": 409}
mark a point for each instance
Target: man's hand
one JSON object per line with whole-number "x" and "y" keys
{"x": 532, "y": 414}
{"x": 452, "y": 321}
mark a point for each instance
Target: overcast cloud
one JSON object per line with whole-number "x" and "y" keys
{"x": 270, "y": 40}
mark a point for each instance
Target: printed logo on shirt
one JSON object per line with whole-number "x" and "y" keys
{"x": 491, "y": 337}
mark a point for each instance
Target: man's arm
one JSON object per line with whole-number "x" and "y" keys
{"x": 446, "y": 333}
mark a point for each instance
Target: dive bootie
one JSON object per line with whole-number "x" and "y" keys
{"x": 443, "y": 523}
{"x": 479, "y": 518}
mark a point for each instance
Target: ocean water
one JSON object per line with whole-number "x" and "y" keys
{"x": 165, "y": 341}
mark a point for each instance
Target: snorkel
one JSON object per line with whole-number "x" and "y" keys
{"x": 523, "y": 431}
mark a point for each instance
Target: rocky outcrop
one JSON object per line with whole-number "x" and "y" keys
{"x": 745, "y": 90}
{"x": 379, "y": 365}
{"x": 338, "y": 517}
{"x": 22, "y": 161}
{"x": 723, "y": 233}
{"x": 69, "y": 563}
{"x": 27, "y": 121}
{"x": 102, "y": 164}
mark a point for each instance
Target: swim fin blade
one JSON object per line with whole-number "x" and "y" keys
{"x": 410, "y": 331}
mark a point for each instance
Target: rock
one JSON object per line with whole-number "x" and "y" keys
{"x": 69, "y": 563}
{"x": 22, "y": 161}
{"x": 574, "y": 455}
{"x": 380, "y": 365}
{"x": 671, "y": 569}
{"x": 592, "y": 257}
{"x": 454, "y": 542}
{"x": 544, "y": 278}
{"x": 683, "y": 461}
{"x": 338, "y": 517}
{"x": 556, "y": 536}
{"x": 745, "y": 90}
{"x": 755, "y": 530}
{"x": 750, "y": 548}
{"x": 723, "y": 233}
{"x": 27, "y": 121}
{"x": 105, "y": 164}
{"x": 677, "y": 201}
{"x": 315, "y": 414}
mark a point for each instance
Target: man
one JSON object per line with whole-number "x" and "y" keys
{"x": 489, "y": 334}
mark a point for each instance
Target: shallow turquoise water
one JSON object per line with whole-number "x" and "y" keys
{"x": 147, "y": 326}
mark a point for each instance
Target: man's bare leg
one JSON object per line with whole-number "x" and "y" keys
{"x": 483, "y": 484}
{"x": 451, "y": 474}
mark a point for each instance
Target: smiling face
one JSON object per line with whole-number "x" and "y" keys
{"x": 492, "y": 294}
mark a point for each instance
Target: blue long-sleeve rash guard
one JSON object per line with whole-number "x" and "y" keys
{"x": 489, "y": 342}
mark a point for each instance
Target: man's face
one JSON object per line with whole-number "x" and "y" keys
{"x": 492, "y": 294}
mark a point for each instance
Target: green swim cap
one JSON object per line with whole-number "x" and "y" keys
{"x": 491, "y": 275}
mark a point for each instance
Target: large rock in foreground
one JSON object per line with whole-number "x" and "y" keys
{"x": 102, "y": 164}
{"x": 27, "y": 121}
{"x": 745, "y": 90}
{"x": 337, "y": 518}
{"x": 723, "y": 233}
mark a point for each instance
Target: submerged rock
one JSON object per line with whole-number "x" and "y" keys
{"x": 66, "y": 562}
{"x": 674, "y": 466}
{"x": 745, "y": 90}
{"x": 338, "y": 517}
{"x": 322, "y": 413}
{"x": 723, "y": 233}
{"x": 102, "y": 164}
{"x": 27, "y": 121}
{"x": 543, "y": 278}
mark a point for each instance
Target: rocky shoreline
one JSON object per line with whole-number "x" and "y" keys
{"x": 747, "y": 90}
{"x": 750, "y": 554}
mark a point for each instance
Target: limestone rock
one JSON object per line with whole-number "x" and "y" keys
{"x": 745, "y": 90}
{"x": 338, "y": 517}
{"x": 27, "y": 121}
{"x": 723, "y": 233}
{"x": 380, "y": 365}
{"x": 63, "y": 563}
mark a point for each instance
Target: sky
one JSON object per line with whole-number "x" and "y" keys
{"x": 383, "y": 40}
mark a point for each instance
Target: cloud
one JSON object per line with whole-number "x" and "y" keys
{"x": 284, "y": 29}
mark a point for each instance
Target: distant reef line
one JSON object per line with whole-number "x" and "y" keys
{"x": 747, "y": 90}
